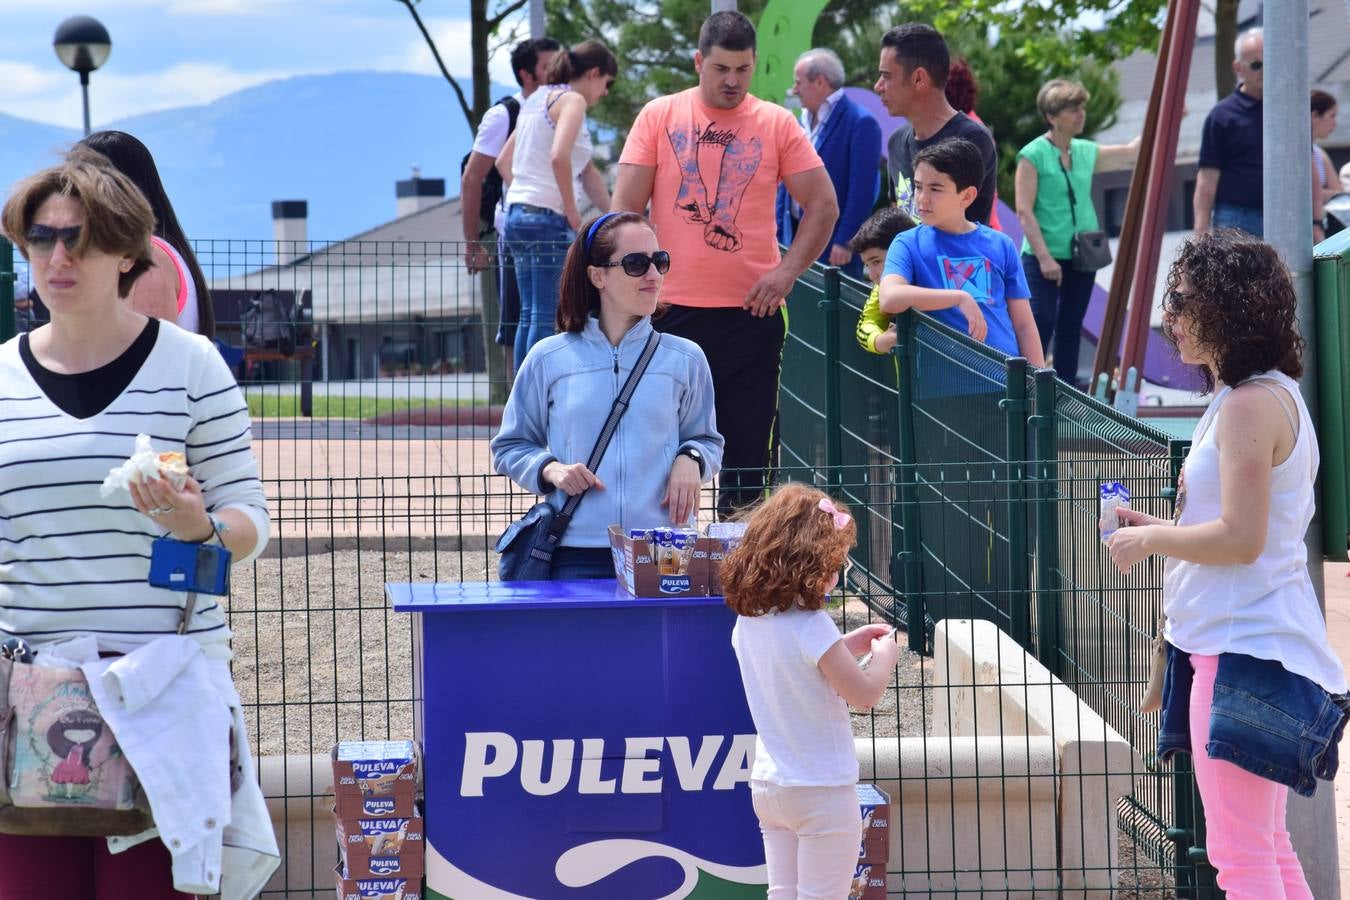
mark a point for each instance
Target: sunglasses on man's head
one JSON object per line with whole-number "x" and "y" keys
{"x": 635, "y": 265}
{"x": 42, "y": 239}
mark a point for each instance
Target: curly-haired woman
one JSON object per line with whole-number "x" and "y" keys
{"x": 1247, "y": 642}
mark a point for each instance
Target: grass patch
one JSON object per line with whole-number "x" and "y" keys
{"x": 264, "y": 405}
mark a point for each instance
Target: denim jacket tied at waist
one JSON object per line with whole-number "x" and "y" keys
{"x": 1265, "y": 719}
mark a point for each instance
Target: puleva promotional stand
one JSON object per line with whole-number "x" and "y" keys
{"x": 582, "y": 743}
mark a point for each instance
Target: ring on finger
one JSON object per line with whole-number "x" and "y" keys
{"x": 158, "y": 511}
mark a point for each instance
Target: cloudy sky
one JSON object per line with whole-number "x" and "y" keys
{"x": 184, "y": 52}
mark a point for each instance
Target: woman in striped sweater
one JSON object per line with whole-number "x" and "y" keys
{"x": 74, "y": 394}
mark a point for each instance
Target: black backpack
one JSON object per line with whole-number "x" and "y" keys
{"x": 492, "y": 182}
{"x": 270, "y": 324}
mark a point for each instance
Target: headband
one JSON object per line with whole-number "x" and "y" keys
{"x": 595, "y": 226}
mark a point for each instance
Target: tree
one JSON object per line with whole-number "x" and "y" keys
{"x": 1225, "y": 35}
{"x": 654, "y": 43}
{"x": 482, "y": 27}
{"x": 1056, "y": 34}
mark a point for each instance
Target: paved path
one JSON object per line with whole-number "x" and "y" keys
{"x": 1338, "y": 629}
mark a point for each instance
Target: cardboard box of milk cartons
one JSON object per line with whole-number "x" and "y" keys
{"x": 375, "y": 778}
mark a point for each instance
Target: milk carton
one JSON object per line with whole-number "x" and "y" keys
{"x": 869, "y": 882}
{"x": 375, "y": 778}
{"x": 378, "y": 888}
{"x": 875, "y": 806}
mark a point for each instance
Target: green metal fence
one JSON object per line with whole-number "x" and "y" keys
{"x": 978, "y": 481}
{"x": 974, "y": 489}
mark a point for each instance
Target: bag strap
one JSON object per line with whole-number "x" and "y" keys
{"x": 564, "y": 516}
{"x": 1073, "y": 201}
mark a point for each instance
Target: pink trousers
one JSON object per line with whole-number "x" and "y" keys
{"x": 812, "y": 836}
{"x": 1244, "y": 813}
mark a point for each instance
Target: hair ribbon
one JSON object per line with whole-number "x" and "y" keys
{"x": 595, "y": 226}
{"x": 841, "y": 519}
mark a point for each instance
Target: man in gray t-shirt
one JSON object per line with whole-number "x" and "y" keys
{"x": 912, "y": 78}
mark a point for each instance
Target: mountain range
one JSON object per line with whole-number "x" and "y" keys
{"x": 338, "y": 141}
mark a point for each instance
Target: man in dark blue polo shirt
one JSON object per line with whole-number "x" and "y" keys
{"x": 1228, "y": 181}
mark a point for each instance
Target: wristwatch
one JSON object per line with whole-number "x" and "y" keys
{"x": 692, "y": 453}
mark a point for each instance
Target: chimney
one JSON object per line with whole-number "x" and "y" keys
{"x": 418, "y": 193}
{"x": 290, "y": 227}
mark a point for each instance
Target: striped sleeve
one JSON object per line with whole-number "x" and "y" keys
{"x": 219, "y": 444}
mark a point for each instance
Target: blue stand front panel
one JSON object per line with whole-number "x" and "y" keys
{"x": 595, "y": 747}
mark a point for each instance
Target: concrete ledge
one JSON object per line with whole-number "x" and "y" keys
{"x": 990, "y": 685}
{"x": 972, "y": 814}
{"x": 299, "y": 792}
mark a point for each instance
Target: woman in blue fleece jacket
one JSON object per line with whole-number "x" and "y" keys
{"x": 666, "y": 445}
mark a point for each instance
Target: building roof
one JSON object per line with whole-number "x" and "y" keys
{"x": 408, "y": 268}
{"x": 1328, "y": 64}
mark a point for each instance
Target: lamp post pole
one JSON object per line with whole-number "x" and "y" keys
{"x": 84, "y": 94}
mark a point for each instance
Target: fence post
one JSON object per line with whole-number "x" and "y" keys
{"x": 834, "y": 440}
{"x": 908, "y": 560}
{"x": 7, "y": 279}
{"x": 1331, "y": 430}
{"x": 1047, "y": 522}
{"x": 1014, "y": 406}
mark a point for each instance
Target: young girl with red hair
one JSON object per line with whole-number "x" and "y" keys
{"x": 800, "y": 677}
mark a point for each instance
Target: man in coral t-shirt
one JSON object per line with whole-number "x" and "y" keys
{"x": 710, "y": 160}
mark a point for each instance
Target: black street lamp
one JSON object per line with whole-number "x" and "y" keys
{"x": 82, "y": 44}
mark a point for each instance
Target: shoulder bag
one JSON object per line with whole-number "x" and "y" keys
{"x": 1088, "y": 250}
{"x": 63, "y": 772}
{"x": 527, "y": 546}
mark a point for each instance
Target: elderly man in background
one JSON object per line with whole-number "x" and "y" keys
{"x": 848, "y": 141}
{"x": 1228, "y": 181}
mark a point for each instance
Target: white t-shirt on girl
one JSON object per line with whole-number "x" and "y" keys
{"x": 804, "y": 736}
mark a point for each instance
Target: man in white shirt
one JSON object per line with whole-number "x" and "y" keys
{"x": 848, "y": 140}
{"x": 529, "y": 62}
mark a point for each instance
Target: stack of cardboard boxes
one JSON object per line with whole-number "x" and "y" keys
{"x": 381, "y": 844}
{"x": 869, "y": 878}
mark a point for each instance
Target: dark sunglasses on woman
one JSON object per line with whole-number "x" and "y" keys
{"x": 635, "y": 265}
{"x": 42, "y": 239}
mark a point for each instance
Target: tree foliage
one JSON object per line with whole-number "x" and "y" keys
{"x": 653, "y": 41}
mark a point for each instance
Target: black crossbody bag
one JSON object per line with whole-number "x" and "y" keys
{"x": 1088, "y": 250}
{"x": 527, "y": 546}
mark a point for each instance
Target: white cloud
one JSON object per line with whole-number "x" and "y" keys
{"x": 48, "y": 93}
{"x": 24, "y": 80}
{"x": 452, "y": 37}
{"x": 115, "y": 96}
{"x": 191, "y": 7}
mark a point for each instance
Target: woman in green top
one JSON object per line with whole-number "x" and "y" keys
{"x": 1051, "y": 169}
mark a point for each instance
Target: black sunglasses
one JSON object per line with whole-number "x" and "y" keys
{"x": 42, "y": 239}
{"x": 635, "y": 265}
{"x": 1255, "y": 65}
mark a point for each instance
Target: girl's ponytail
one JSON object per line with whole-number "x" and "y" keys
{"x": 576, "y": 61}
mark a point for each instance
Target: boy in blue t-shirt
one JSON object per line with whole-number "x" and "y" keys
{"x": 965, "y": 274}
